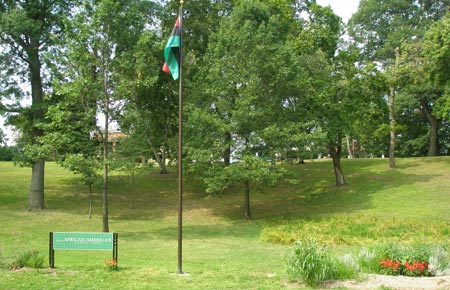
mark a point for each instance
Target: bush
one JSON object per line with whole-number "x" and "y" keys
{"x": 313, "y": 264}
{"x": 30, "y": 259}
{"x": 7, "y": 153}
{"x": 439, "y": 262}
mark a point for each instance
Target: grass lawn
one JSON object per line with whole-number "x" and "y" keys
{"x": 220, "y": 249}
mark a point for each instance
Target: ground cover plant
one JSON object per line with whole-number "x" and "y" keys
{"x": 408, "y": 206}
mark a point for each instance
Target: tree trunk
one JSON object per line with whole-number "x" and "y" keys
{"x": 36, "y": 194}
{"x": 161, "y": 160}
{"x": 90, "y": 200}
{"x": 248, "y": 215}
{"x": 433, "y": 146}
{"x": 392, "y": 126}
{"x": 349, "y": 149}
{"x": 433, "y": 149}
{"x": 133, "y": 189}
{"x": 336, "y": 153}
{"x": 105, "y": 177}
{"x": 227, "y": 152}
{"x": 392, "y": 122}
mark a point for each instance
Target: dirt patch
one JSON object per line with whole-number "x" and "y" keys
{"x": 375, "y": 282}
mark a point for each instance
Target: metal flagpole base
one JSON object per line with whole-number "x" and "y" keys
{"x": 182, "y": 274}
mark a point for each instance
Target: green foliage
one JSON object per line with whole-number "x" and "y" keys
{"x": 439, "y": 262}
{"x": 30, "y": 259}
{"x": 436, "y": 52}
{"x": 7, "y": 153}
{"x": 382, "y": 28}
{"x": 388, "y": 250}
{"x": 313, "y": 263}
{"x": 367, "y": 260}
{"x": 308, "y": 262}
{"x": 250, "y": 169}
{"x": 397, "y": 259}
{"x": 354, "y": 230}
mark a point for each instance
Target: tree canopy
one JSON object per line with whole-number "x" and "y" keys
{"x": 266, "y": 83}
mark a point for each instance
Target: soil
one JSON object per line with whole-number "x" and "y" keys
{"x": 377, "y": 282}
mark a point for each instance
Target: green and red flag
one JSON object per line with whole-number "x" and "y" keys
{"x": 172, "y": 52}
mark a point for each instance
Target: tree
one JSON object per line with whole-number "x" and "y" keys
{"x": 70, "y": 121}
{"x": 127, "y": 157}
{"x": 7, "y": 153}
{"x": 436, "y": 51}
{"x": 249, "y": 170}
{"x": 391, "y": 105}
{"x": 2, "y": 137}
{"x": 29, "y": 30}
{"x": 148, "y": 112}
{"x": 328, "y": 101}
{"x": 245, "y": 75}
{"x": 89, "y": 169}
{"x": 420, "y": 92}
{"x": 99, "y": 36}
{"x": 383, "y": 29}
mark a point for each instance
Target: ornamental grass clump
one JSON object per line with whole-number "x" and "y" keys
{"x": 313, "y": 263}
{"x": 29, "y": 259}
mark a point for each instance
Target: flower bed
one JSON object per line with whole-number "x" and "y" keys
{"x": 412, "y": 269}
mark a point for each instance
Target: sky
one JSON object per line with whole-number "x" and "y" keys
{"x": 343, "y": 8}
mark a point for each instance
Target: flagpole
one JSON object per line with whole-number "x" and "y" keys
{"x": 180, "y": 147}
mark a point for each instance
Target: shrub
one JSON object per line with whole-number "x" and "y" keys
{"x": 313, "y": 264}
{"x": 439, "y": 262}
{"x": 30, "y": 259}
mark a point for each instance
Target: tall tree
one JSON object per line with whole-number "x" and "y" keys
{"x": 436, "y": 52}
{"x": 245, "y": 75}
{"x": 29, "y": 30}
{"x": 149, "y": 106}
{"x": 70, "y": 121}
{"x": 100, "y": 36}
{"x": 384, "y": 27}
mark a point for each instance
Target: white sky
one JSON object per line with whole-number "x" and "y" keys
{"x": 343, "y": 8}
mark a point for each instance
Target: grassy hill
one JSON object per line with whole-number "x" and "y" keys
{"x": 220, "y": 249}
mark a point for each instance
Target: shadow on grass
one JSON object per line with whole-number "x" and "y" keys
{"x": 315, "y": 194}
{"x": 195, "y": 232}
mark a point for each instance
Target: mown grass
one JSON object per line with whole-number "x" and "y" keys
{"x": 220, "y": 249}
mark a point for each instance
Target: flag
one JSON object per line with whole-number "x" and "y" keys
{"x": 172, "y": 51}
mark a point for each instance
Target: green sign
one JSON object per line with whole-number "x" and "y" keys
{"x": 83, "y": 241}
